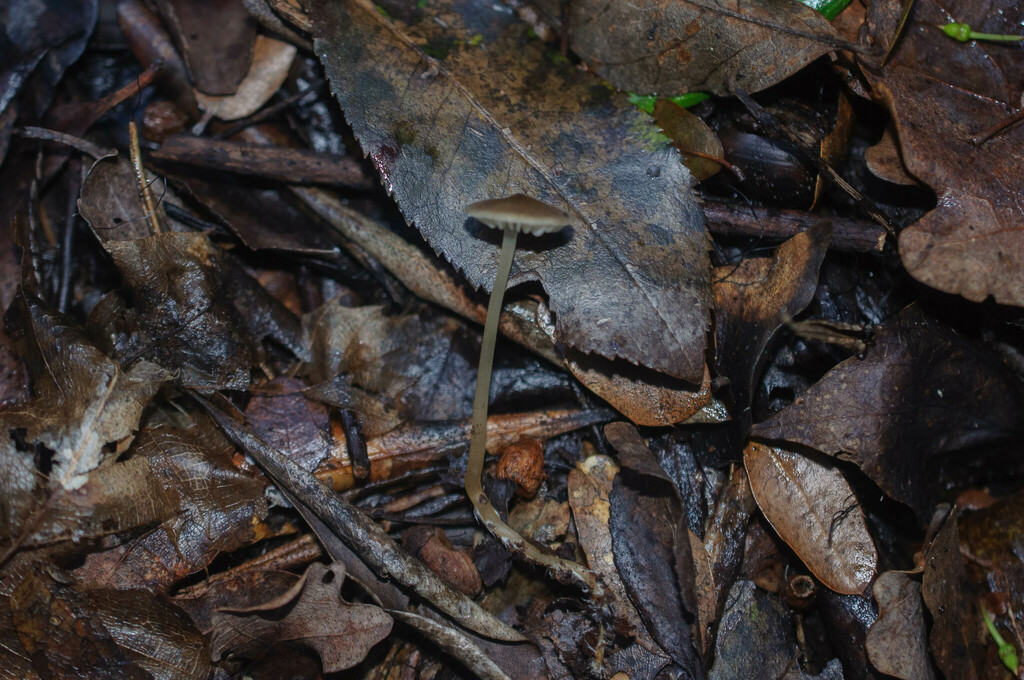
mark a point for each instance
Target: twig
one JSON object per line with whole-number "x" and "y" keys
{"x": 363, "y": 535}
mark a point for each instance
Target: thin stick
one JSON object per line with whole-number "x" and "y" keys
{"x": 145, "y": 190}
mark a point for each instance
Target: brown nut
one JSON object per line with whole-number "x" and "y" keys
{"x": 522, "y": 461}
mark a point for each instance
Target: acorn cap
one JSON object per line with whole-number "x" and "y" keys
{"x": 519, "y": 212}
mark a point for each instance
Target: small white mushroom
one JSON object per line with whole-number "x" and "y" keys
{"x": 512, "y": 215}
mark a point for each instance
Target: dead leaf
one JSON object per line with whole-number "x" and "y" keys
{"x": 271, "y": 61}
{"x": 884, "y": 161}
{"x": 590, "y": 486}
{"x": 755, "y": 636}
{"x": 942, "y": 93}
{"x": 750, "y": 300}
{"x": 955, "y": 620}
{"x": 70, "y": 632}
{"x": 216, "y": 40}
{"x": 214, "y": 508}
{"x": 920, "y": 391}
{"x": 196, "y": 310}
{"x": 82, "y": 402}
{"x": 690, "y": 134}
{"x": 814, "y": 510}
{"x": 629, "y": 279}
{"x": 311, "y": 614}
{"x": 897, "y": 643}
{"x": 654, "y": 47}
{"x": 645, "y": 397}
{"x": 652, "y": 553}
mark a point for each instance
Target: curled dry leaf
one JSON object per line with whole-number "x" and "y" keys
{"x": 750, "y": 299}
{"x": 921, "y": 390}
{"x": 656, "y": 47}
{"x": 493, "y": 119}
{"x": 942, "y": 94}
{"x": 897, "y": 642}
{"x": 271, "y": 61}
{"x": 82, "y": 402}
{"x": 311, "y": 614}
{"x": 814, "y": 510}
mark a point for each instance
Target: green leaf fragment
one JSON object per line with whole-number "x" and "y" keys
{"x": 647, "y": 102}
{"x": 829, "y": 9}
{"x": 1007, "y": 652}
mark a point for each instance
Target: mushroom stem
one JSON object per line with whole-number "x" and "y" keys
{"x": 563, "y": 570}
{"x": 478, "y": 434}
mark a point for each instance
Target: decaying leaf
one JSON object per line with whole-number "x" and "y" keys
{"x": 921, "y": 390}
{"x": 942, "y": 94}
{"x": 82, "y": 402}
{"x": 310, "y": 614}
{"x": 216, "y": 40}
{"x": 99, "y": 633}
{"x": 955, "y": 620}
{"x": 214, "y": 508}
{"x": 590, "y": 486}
{"x": 651, "y": 546}
{"x": 656, "y": 47}
{"x": 271, "y": 60}
{"x": 755, "y": 636}
{"x": 449, "y": 120}
{"x": 897, "y": 643}
{"x": 814, "y": 510}
{"x": 750, "y": 300}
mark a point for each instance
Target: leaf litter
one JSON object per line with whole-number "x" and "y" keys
{"x": 150, "y": 529}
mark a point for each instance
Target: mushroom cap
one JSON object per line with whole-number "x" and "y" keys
{"x": 519, "y": 212}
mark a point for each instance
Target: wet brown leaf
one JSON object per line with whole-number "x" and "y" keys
{"x": 70, "y": 632}
{"x": 921, "y": 390}
{"x": 814, "y": 510}
{"x": 82, "y": 402}
{"x": 941, "y": 94}
{"x": 215, "y": 507}
{"x": 690, "y": 134}
{"x": 311, "y": 614}
{"x": 629, "y": 279}
{"x": 897, "y": 643}
{"x": 271, "y": 60}
{"x": 651, "y": 546}
{"x": 955, "y": 620}
{"x": 216, "y": 39}
{"x": 656, "y": 47}
{"x": 750, "y": 298}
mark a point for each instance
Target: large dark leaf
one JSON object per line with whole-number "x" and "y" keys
{"x": 450, "y": 118}
{"x": 659, "y": 47}
{"x": 921, "y": 390}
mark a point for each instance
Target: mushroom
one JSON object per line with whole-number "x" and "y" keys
{"x": 512, "y": 215}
